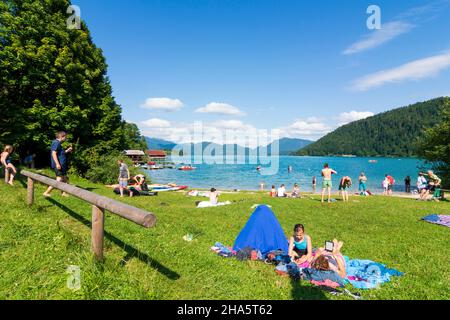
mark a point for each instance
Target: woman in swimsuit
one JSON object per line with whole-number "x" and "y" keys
{"x": 300, "y": 247}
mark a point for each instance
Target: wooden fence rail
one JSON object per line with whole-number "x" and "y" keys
{"x": 99, "y": 205}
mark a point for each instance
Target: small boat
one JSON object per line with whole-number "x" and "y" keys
{"x": 186, "y": 168}
{"x": 163, "y": 188}
{"x": 152, "y": 167}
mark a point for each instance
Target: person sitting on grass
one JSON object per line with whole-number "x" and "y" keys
{"x": 214, "y": 196}
{"x": 7, "y": 164}
{"x": 300, "y": 247}
{"x": 296, "y": 192}
{"x": 282, "y": 191}
{"x": 330, "y": 261}
{"x": 273, "y": 192}
{"x": 344, "y": 184}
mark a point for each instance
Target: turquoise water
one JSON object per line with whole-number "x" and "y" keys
{"x": 246, "y": 177}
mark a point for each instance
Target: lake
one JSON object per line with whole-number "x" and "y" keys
{"x": 246, "y": 177}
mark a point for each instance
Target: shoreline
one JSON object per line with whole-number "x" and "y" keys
{"x": 334, "y": 194}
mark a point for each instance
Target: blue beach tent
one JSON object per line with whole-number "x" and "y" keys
{"x": 262, "y": 232}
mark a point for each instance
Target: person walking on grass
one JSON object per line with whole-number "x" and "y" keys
{"x": 124, "y": 176}
{"x": 58, "y": 159}
{"x": 344, "y": 184}
{"x": 326, "y": 183}
{"x": 7, "y": 163}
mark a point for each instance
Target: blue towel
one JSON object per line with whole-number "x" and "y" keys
{"x": 222, "y": 248}
{"x": 369, "y": 274}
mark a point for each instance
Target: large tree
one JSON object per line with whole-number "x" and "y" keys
{"x": 435, "y": 145}
{"x": 54, "y": 78}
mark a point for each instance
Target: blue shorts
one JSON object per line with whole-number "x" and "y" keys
{"x": 60, "y": 173}
{"x": 123, "y": 183}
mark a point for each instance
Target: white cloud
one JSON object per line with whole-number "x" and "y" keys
{"x": 306, "y": 129}
{"x": 434, "y": 7}
{"x": 415, "y": 70}
{"x": 165, "y": 104}
{"x": 347, "y": 117}
{"x": 156, "y": 123}
{"x": 376, "y": 38}
{"x": 220, "y": 108}
{"x": 231, "y": 124}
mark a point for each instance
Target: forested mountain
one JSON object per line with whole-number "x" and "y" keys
{"x": 288, "y": 146}
{"x": 392, "y": 133}
{"x": 159, "y": 144}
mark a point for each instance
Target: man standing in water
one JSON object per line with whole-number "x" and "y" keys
{"x": 326, "y": 183}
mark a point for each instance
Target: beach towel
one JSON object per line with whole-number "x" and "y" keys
{"x": 367, "y": 274}
{"x": 136, "y": 192}
{"x": 222, "y": 250}
{"x": 324, "y": 278}
{"x": 443, "y": 220}
{"x": 207, "y": 204}
{"x": 196, "y": 193}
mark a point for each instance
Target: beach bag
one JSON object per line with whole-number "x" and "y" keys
{"x": 244, "y": 254}
{"x": 437, "y": 193}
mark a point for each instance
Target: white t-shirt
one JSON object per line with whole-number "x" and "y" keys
{"x": 421, "y": 182}
{"x": 281, "y": 191}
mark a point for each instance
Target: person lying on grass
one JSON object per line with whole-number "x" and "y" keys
{"x": 330, "y": 261}
{"x": 300, "y": 247}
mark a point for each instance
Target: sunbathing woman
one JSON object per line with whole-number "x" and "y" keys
{"x": 334, "y": 261}
{"x": 300, "y": 248}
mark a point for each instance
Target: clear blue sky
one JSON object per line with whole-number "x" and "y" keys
{"x": 293, "y": 65}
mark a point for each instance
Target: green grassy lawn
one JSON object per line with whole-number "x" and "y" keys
{"x": 37, "y": 245}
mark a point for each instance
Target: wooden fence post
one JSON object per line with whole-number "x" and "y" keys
{"x": 6, "y": 175}
{"x": 98, "y": 221}
{"x": 30, "y": 191}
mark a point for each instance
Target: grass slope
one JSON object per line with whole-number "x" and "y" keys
{"x": 37, "y": 245}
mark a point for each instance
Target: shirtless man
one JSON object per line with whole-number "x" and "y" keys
{"x": 326, "y": 183}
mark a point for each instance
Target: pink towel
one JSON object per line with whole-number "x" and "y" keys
{"x": 327, "y": 283}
